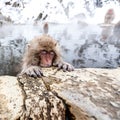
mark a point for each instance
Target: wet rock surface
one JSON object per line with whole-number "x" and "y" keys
{"x": 84, "y": 94}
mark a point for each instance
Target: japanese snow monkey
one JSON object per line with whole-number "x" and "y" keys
{"x": 109, "y": 16}
{"x": 42, "y": 51}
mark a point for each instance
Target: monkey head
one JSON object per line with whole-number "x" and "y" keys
{"x": 45, "y": 48}
{"x": 110, "y": 10}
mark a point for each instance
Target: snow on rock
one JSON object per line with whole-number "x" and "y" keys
{"x": 28, "y": 11}
{"x": 11, "y": 9}
{"x": 10, "y": 55}
{"x": 49, "y": 10}
{"x": 32, "y": 10}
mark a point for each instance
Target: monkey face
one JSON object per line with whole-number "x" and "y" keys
{"x": 46, "y": 58}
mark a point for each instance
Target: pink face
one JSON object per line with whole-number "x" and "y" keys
{"x": 110, "y": 11}
{"x": 46, "y": 58}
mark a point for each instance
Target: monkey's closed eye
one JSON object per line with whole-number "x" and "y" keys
{"x": 43, "y": 52}
{"x": 52, "y": 53}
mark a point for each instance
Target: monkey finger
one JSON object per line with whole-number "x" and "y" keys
{"x": 27, "y": 72}
{"x": 64, "y": 67}
{"x": 60, "y": 66}
{"x": 22, "y": 72}
{"x": 56, "y": 64}
{"x": 33, "y": 74}
{"x": 38, "y": 73}
{"x": 41, "y": 73}
{"x": 70, "y": 68}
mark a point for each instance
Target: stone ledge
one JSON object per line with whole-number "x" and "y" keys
{"x": 84, "y": 94}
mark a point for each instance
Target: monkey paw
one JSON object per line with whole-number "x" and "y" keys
{"x": 33, "y": 71}
{"x": 65, "y": 66}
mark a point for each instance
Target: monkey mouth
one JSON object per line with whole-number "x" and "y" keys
{"x": 45, "y": 65}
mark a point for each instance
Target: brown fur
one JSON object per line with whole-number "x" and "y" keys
{"x": 44, "y": 42}
{"x": 31, "y": 60}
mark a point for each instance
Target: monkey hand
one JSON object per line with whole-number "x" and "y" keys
{"x": 33, "y": 71}
{"x": 64, "y": 66}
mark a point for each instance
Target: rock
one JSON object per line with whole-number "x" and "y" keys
{"x": 28, "y": 98}
{"x": 94, "y": 91}
{"x": 11, "y": 98}
{"x": 4, "y": 20}
{"x": 40, "y": 103}
{"x": 84, "y": 94}
{"x": 11, "y": 53}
